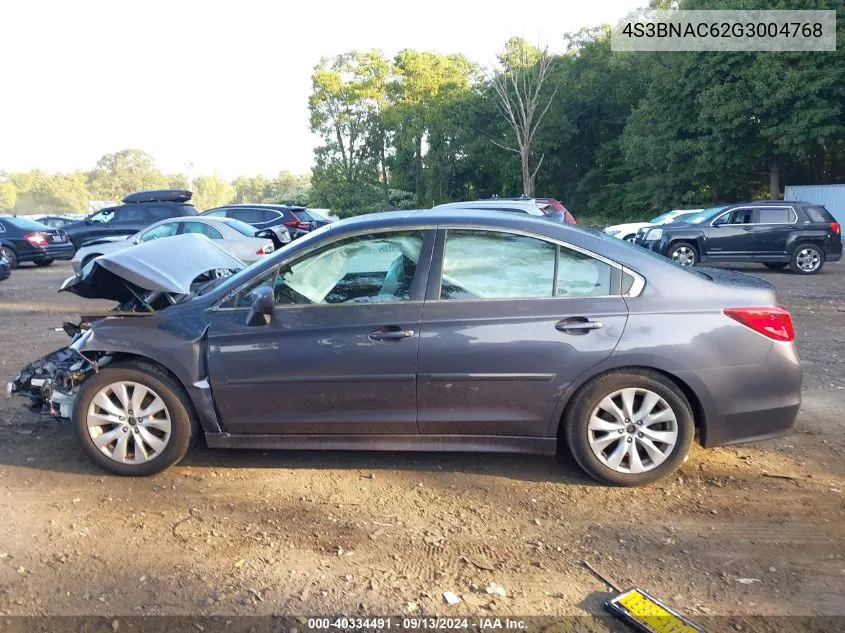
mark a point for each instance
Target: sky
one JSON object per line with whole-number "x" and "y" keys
{"x": 221, "y": 86}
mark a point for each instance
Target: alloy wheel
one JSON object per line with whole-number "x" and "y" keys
{"x": 632, "y": 430}
{"x": 684, "y": 256}
{"x": 128, "y": 422}
{"x": 808, "y": 260}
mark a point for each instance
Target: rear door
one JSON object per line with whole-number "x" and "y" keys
{"x": 508, "y": 323}
{"x": 771, "y": 232}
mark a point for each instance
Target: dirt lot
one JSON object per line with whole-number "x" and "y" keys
{"x": 369, "y": 533}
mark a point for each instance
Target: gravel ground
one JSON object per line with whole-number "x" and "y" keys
{"x": 754, "y": 529}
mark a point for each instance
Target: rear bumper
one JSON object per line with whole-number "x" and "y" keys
{"x": 749, "y": 402}
{"x": 52, "y": 251}
{"x": 833, "y": 251}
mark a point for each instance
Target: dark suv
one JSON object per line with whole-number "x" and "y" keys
{"x": 775, "y": 233}
{"x": 271, "y": 216}
{"x": 138, "y": 211}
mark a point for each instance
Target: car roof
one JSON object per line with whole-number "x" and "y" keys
{"x": 529, "y": 206}
{"x": 247, "y": 205}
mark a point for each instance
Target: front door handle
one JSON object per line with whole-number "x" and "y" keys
{"x": 391, "y": 333}
{"x": 577, "y": 325}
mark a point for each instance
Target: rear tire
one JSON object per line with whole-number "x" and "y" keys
{"x": 683, "y": 253}
{"x": 807, "y": 259}
{"x": 775, "y": 265}
{"x": 10, "y": 256}
{"x": 44, "y": 262}
{"x": 126, "y": 445}
{"x": 629, "y": 427}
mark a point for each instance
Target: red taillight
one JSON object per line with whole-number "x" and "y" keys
{"x": 773, "y": 322}
{"x": 35, "y": 238}
{"x": 297, "y": 224}
{"x": 836, "y": 228}
{"x": 266, "y": 249}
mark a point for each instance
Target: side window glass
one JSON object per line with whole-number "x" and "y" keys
{"x": 372, "y": 268}
{"x": 250, "y": 216}
{"x": 579, "y": 275}
{"x": 495, "y": 265}
{"x": 741, "y": 216}
{"x": 774, "y": 216}
{"x": 203, "y": 229}
{"x": 130, "y": 214}
{"x": 106, "y": 215}
{"x": 162, "y": 230}
{"x": 220, "y": 213}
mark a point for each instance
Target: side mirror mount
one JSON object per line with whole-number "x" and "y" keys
{"x": 720, "y": 221}
{"x": 263, "y": 306}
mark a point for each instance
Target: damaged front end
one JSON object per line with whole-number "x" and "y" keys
{"x": 143, "y": 280}
{"x": 51, "y": 382}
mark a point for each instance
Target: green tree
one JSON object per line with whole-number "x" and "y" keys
{"x": 211, "y": 191}
{"x": 8, "y": 196}
{"x": 123, "y": 172}
{"x": 423, "y": 87}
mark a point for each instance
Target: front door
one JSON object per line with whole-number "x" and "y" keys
{"x": 339, "y": 354}
{"x": 514, "y": 321}
{"x": 731, "y": 236}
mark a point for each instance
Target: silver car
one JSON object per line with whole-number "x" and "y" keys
{"x": 236, "y": 237}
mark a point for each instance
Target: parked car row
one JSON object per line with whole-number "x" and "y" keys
{"x": 799, "y": 235}
{"x": 246, "y": 230}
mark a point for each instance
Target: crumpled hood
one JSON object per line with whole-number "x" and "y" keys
{"x": 168, "y": 265}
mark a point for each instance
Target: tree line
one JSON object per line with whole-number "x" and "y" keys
{"x": 613, "y": 135}
{"x": 126, "y": 171}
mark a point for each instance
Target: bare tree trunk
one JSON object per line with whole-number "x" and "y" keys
{"x": 384, "y": 173}
{"x": 527, "y": 180}
{"x": 418, "y": 169}
{"x": 774, "y": 181}
{"x": 519, "y": 99}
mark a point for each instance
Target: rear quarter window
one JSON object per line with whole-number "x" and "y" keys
{"x": 819, "y": 215}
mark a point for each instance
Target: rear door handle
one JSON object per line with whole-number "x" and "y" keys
{"x": 577, "y": 325}
{"x": 391, "y": 333}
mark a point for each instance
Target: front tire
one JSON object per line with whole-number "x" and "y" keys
{"x": 133, "y": 419}
{"x": 807, "y": 259}
{"x": 629, "y": 427}
{"x": 630, "y": 238}
{"x": 10, "y": 256}
{"x": 683, "y": 253}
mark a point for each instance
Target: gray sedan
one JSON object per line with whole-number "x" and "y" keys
{"x": 433, "y": 331}
{"x": 236, "y": 237}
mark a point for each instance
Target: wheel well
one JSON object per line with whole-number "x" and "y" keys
{"x": 127, "y": 357}
{"x": 699, "y": 417}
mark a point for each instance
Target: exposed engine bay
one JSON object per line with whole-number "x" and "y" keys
{"x": 143, "y": 280}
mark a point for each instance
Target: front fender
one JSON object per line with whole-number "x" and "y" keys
{"x": 178, "y": 345}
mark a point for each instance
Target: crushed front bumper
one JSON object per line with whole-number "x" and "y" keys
{"x": 52, "y": 382}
